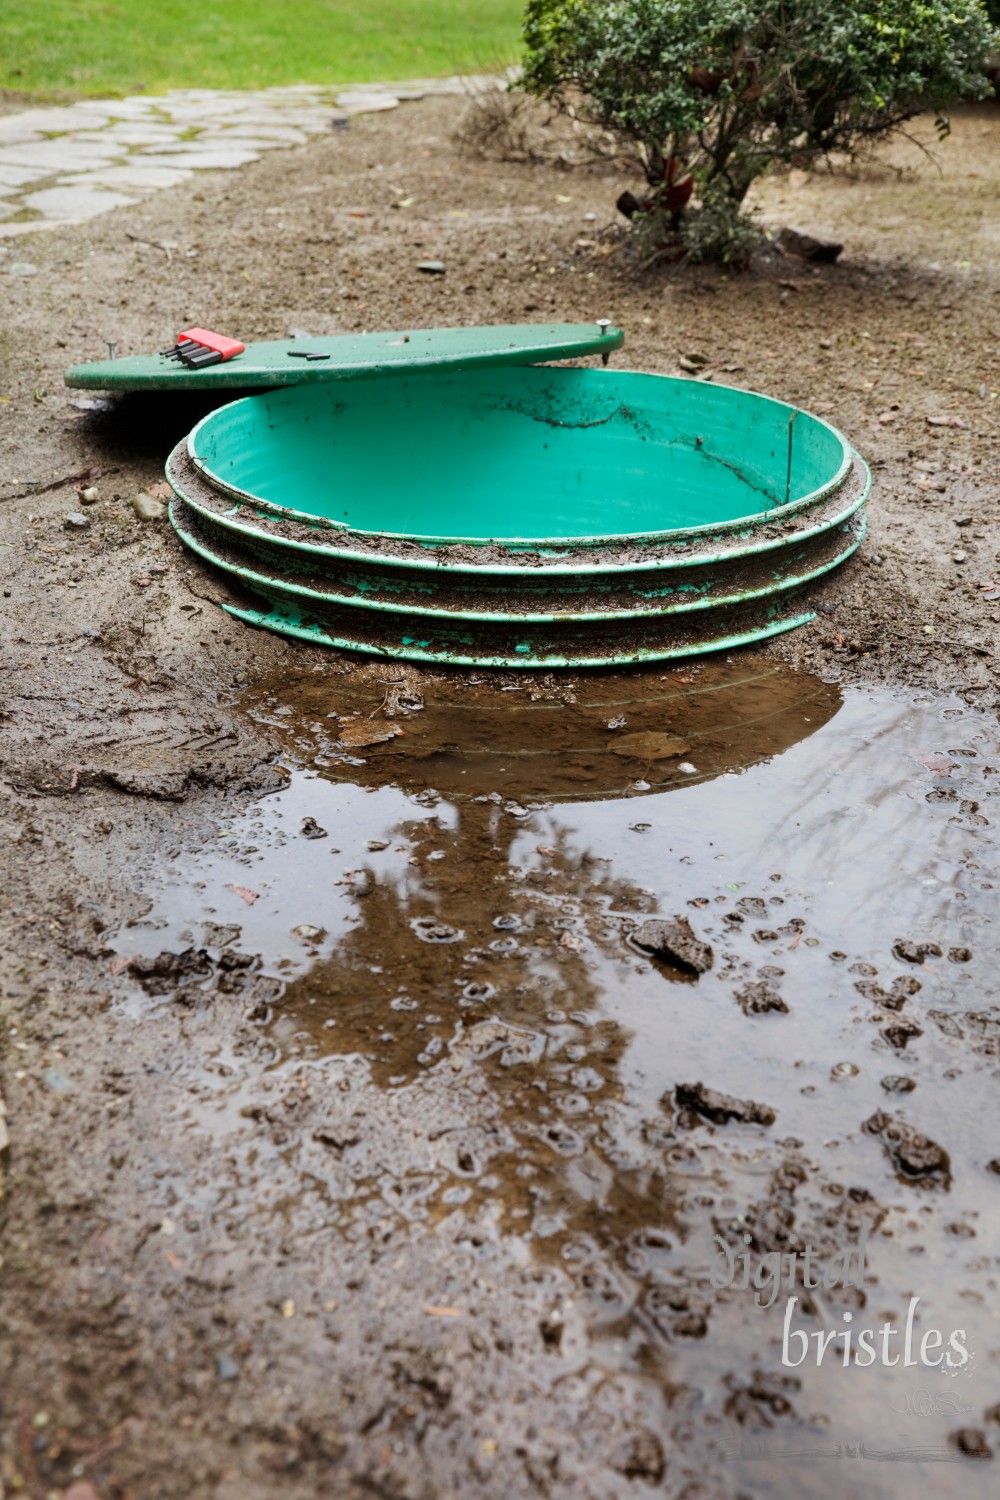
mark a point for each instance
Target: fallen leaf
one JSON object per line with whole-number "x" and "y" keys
{"x": 245, "y": 893}
{"x": 443, "y": 1312}
{"x": 363, "y": 732}
{"x": 648, "y": 744}
{"x": 946, "y": 422}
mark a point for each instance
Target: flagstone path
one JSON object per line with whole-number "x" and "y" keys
{"x": 63, "y": 165}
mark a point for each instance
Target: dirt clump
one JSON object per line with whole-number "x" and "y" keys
{"x": 720, "y": 1108}
{"x": 915, "y": 1157}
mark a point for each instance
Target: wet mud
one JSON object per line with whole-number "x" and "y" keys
{"x": 480, "y": 1146}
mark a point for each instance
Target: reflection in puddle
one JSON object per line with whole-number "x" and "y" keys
{"x": 602, "y": 736}
{"x": 460, "y": 1036}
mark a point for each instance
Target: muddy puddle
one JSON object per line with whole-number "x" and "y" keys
{"x": 434, "y": 1009}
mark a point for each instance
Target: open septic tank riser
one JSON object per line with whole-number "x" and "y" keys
{"x": 516, "y": 517}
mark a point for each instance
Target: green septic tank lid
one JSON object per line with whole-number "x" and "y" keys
{"x": 354, "y": 355}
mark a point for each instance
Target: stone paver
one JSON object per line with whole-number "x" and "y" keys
{"x": 71, "y": 204}
{"x": 66, "y": 164}
{"x": 16, "y": 176}
{"x": 143, "y": 176}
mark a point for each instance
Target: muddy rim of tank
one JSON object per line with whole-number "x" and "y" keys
{"x": 285, "y": 532}
{"x": 300, "y": 590}
{"x": 724, "y": 630}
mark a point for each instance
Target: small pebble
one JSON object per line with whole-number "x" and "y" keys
{"x": 76, "y": 521}
{"x": 146, "y": 508}
{"x": 88, "y": 495}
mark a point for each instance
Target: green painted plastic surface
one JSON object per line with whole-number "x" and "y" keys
{"x": 522, "y": 455}
{"x": 352, "y": 356}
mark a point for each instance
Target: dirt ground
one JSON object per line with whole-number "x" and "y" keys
{"x": 177, "y": 1317}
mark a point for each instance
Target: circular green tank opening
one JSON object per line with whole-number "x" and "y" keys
{"x": 521, "y": 455}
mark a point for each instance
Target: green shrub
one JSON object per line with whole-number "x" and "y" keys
{"x": 712, "y": 93}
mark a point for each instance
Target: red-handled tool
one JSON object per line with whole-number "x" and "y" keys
{"x": 199, "y": 347}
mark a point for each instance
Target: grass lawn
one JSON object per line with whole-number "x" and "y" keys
{"x": 95, "y": 47}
